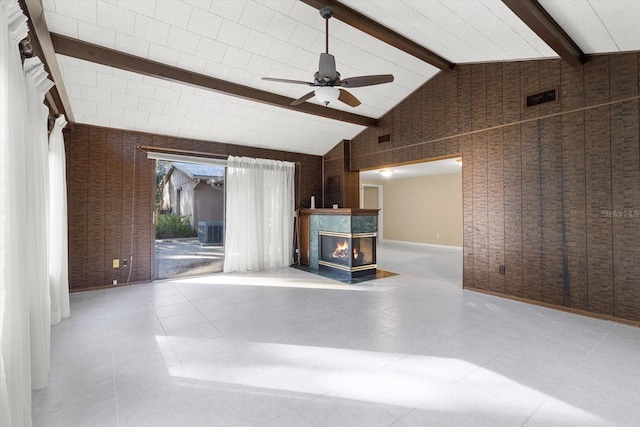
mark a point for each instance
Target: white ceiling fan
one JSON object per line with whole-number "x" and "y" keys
{"x": 327, "y": 82}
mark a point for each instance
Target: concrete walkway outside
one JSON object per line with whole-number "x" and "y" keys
{"x": 186, "y": 257}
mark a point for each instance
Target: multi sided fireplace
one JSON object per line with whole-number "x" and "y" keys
{"x": 350, "y": 254}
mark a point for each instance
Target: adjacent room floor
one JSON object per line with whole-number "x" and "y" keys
{"x": 442, "y": 263}
{"x": 289, "y": 348}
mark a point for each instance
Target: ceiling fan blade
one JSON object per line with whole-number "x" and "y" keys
{"x": 348, "y": 99}
{"x": 327, "y": 67}
{"x": 367, "y": 80}
{"x": 303, "y": 98}
{"x": 299, "y": 82}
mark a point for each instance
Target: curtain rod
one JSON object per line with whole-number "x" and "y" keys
{"x": 147, "y": 148}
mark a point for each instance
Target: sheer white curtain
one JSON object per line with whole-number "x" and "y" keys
{"x": 36, "y": 175}
{"x": 58, "y": 242}
{"x": 25, "y": 304}
{"x": 15, "y": 354}
{"x": 259, "y": 218}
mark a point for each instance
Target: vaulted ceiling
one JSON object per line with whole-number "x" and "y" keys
{"x": 168, "y": 66}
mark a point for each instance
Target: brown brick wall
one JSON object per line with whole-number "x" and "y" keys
{"x": 111, "y": 198}
{"x": 535, "y": 180}
{"x": 341, "y": 185}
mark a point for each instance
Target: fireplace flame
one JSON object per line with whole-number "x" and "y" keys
{"x": 341, "y": 250}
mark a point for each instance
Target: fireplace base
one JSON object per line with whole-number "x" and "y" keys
{"x": 351, "y": 274}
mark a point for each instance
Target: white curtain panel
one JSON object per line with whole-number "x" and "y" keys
{"x": 259, "y": 217}
{"x": 58, "y": 241}
{"x": 36, "y": 235}
{"x": 15, "y": 354}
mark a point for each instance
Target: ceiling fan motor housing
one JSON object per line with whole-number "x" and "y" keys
{"x": 326, "y": 12}
{"x": 325, "y": 81}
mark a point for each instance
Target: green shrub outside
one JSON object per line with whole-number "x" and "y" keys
{"x": 171, "y": 226}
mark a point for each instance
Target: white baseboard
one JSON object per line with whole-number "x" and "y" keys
{"x": 421, "y": 244}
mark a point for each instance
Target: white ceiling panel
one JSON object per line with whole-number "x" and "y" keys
{"x": 142, "y": 7}
{"x": 173, "y": 12}
{"x": 458, "y": 30}
{"x": 108, "y": 97}
{"x": 229, "y": 38}
{"x": 598, "y": 26}
{"x": 244, "y": 40}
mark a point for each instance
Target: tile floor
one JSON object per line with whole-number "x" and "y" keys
{"x": 289, "y": 348}
{"x": 434, "y": 262}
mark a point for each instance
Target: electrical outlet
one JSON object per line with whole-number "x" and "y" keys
{"x": 501, "y": 270}
{"x": 115, "y": 282}
{"x": 124, "y": 262}
{"x": 437, "y": 235}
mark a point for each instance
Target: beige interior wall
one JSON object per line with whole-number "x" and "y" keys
{"x": 371, "y": 181}
{"x": 370, "y": 198}
{"x": 423, "y": 210}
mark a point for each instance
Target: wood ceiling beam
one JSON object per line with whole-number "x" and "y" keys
{"x": 375, "y": 29}
{"x": 535, "y": 17}
{"x": 42, "y": 45}
{"x": 123, "y": 61}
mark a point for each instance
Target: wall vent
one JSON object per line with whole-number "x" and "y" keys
{"x": 384, "y": 138}
{"x": 542, "y": 98}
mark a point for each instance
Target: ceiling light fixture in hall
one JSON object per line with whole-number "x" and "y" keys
{"x": 386, "y": 172}
{"x": 327, "y": 80}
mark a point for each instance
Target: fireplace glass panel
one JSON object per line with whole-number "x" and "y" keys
{"x": 349, "y": 252}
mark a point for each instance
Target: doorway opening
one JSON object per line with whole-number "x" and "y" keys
{"x": 371, "y": 197}
{"x": 421, "y": 213}
{"x": 190, "y": 217}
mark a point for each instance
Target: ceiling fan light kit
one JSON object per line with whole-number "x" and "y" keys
{"x": 327, "y": 94}
{"x": 327, "y": 77}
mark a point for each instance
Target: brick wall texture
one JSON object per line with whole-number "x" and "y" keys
{"x": 551, "y": 192}
{"x": 111, "y": 198}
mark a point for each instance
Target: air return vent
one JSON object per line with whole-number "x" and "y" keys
{"x": 384, "y": 138}
{"x": 541, "y": 98}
